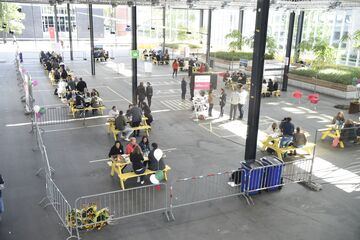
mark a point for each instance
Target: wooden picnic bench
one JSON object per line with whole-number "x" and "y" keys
{"x": 74, "y": 110}
{"x": 274, "y": 144}
{"x": 143, "y": 126}
{"x": 118, "y": 167}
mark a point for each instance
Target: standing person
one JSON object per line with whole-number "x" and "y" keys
{"x": 149, "y": 93}
{"x": 190, "y": 67}
{"x": 183, "y": 88}
{"x": 175, "y": 67}
{"x": 222, "y": 102}
{"x": 234, "y": 101}
{"x": 141, "y": 92}
{"x": 191, "y": 85}
{"x": 2, "y": 186}
{"x": 211, "y": 102}
{"x": 243, "y": 96}
{"x": 136, "y": 117}
{"x": 287, "y": 129}
{"x": 81, "y": 85}
{"x": 122, "y": 126}
{"x": 21, "y": 57}
{"x": 136, "y": 159}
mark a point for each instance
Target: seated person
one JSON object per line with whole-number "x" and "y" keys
{"x": 226, "y": 76}
{"x": 51, "y": 74}
{"x": 48, "y": 66}
{"x": 131, "y": 146}
{"x": 94, "y": 92}
{"x": 155, "y": 164}
{"x": 64, "y": 74}
{"x": 136, "y": 117}
{"x": 287, "y": 129}
{"x": 348, "y": 132}
{"x": 273, "y": 130}
{"x": 61, "y": 91}
{"x": 113, "y": 113}
{"x": 242, "y": 79}
{"x": 57, "y": 75}
{"x": 96, "y": 102}
{"x": 270, "y": 86}
{"x": 71, "y": 84}
{"x": 299, "y": 139}
{"x": 276, "y": 85}
{"x": 339, "y": 119}
{"x": 145, "y": 145}
{"x": 116, "y": 150}
{"x": 122, "y": 126}
{"x": 136, "y": 159}
{"x": 264, "y": 88}
{"x": 147, "y": 113}
{"x": 79, "y": 101}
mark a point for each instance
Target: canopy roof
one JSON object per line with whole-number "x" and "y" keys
{"x": 218, "y": 4}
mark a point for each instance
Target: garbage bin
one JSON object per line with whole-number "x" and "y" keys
{"x": 273, "y": 173}
{"x": 254, "y": 177}
{"x": 211, "y": 63}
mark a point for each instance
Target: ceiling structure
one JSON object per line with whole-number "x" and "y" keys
{"x": 214, "y": 4}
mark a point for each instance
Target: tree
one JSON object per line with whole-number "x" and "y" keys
{"x": 324, "y": 53}
{"x": 237, "y": 42}
{"x": 354, "y": 40}
{"x": 11, "y": 18}
{"x": 271, "y": 45}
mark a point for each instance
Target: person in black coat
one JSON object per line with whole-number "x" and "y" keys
{"x": 141, "y": 93}
{"x": 222, "y": 102}
{"x": 136, "y": 159}
{"x": 81, "y": 86}
{"x": 149, "y": 93}
{"x": 147, "y": 113}
{"x": 183, "y": 88}
{"x": 117, "y": 149}
{"x": 154, "y": 164}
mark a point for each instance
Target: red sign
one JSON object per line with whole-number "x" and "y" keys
{"x": 202, "y": 82}
{"x": 51, "y": 32}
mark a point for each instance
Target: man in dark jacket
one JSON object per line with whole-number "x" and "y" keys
{"x": 155, "y": 164}
{"x": 81, "y": 86}
{"x": 136, "y": 117}
{"x": 121, "y": 125}
{"x": 149, "y": 93}
{"x": 183, "y": 88}
{"x": 141, "y": 92}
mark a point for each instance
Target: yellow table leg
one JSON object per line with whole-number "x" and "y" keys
{"x": 112, "y": 169}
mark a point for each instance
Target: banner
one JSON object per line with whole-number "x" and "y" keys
{"x": 202, "y": 82}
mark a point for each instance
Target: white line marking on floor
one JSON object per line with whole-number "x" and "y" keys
{"x": 74, "y": 128}
{"x": 163, "y": 110}
{"x": 118, "y": 94}
{"x": 99, "y": 160}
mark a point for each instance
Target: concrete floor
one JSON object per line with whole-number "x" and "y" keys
{"x": 292, "y": 213}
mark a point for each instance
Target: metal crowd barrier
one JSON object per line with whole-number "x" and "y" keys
{"x": 57, "y": 200}
{"x": 126, "y": 203}
{"x": 297, "y": 171}
{"x": 194, "y": 190}
{"x": 54, "y": 116}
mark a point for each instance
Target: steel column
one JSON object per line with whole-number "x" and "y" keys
{"x": 299, "y": 35}
{"x": 164, "y": 29}
{"x": 134, "y": 47}
{"x": 262, "y": 12}
{"x": 70, "y": 31}
{"x": 201, "y": 19}
{"x": 241, "y": 20}
{"x": 56, "y": 24}
{"x": 91, "y": 26}
{"x": 288, "y": 51}
{"x": 208, "y": 43}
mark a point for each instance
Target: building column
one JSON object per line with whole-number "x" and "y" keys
{"x": 262, "y": 13}
{"x": 70, "y": 31}
{"x": 91, "y": 25}
{"x": 164, "y": 28}
{"x": 288, "y": 51}
{"x": 56, "y": 24}
{"x": 241, "y": 20}
{"x": 201, "y": 25}
{"x": 299, "y": 32}
{"x": 134, "y": 47}
{"x": 208, "y": 43}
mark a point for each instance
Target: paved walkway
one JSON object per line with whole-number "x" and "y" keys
{"x": 76, "y": 152}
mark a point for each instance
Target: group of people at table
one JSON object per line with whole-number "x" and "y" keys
{"x": 68, "y": 86}
{"x": 349, "y": 129}
{"x": 141, "y": 156}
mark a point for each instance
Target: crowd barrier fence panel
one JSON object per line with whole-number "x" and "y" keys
{"x": 56, "y": 199}
{"x": 126, "y": 203}
{"x": 199, "y": 189}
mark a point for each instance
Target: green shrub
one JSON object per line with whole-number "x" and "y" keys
{"x": 332, "y": 73}
{"x": 178, "y": 45}
{"x": 172, "y": 45}
{"x": 236, "y": 56}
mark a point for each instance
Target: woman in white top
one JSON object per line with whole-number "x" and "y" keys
{"x": 273, "y": 130}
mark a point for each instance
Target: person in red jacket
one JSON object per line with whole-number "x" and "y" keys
{"x": 131, "y": 146}
{"x": 175, "y": 67}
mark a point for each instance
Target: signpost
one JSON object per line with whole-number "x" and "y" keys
{"x": 134, "y": 54}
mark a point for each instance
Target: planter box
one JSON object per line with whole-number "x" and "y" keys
{"x": 329, "y": 88}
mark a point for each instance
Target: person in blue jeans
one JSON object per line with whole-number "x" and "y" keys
{"x": 287, "y": 129}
